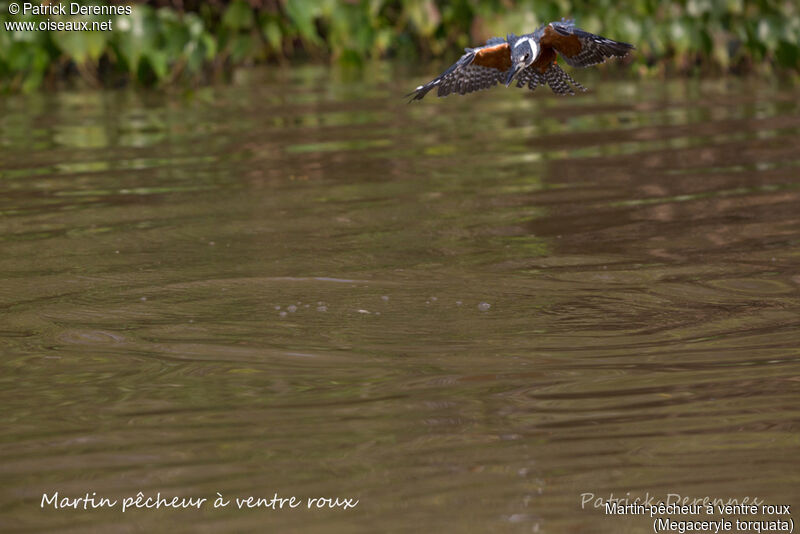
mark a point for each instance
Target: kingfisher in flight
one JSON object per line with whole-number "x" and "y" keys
{"x": 529, "y": 59}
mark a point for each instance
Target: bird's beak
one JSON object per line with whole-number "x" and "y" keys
{"x": 514, "y": 70}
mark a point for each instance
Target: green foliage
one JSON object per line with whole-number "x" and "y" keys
{"x": 150, "y": 46}
{"x": 165, "y": 45}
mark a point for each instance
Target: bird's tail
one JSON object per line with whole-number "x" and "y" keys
{"x": 560, "y": 82}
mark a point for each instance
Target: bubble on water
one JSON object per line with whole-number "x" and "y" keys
{"x": 282, "y": 314}
{"x": 427, "y": 302}
{"x": 363, "y": 311}
{"x": 322, "y": 308}
{"x": 385, "y": 298}
{"x": 320, "y": 303}
{"x": 459, "y": 303}
{"x": 143, "y": 299}
{"x": 434, "y": 299}
{"x": 211, "y": 243}
{"x": 484, "y": 306}
{"x": 277, "y": 307}
{"x": 291, "y": 308}
{"x": 305, "y": 305}
{"x": 299, "y": 303}
{"x": 116, "y": 252}
{"x": 377, "y": 313}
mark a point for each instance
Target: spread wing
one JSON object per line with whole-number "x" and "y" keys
{"x": 580, "y": 48}
{"x": 479, "y": 68}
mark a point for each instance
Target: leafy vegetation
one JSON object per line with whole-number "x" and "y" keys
{"x": 165, "y": 41}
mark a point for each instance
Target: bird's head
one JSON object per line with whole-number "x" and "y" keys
{"x": 524, "y": 51}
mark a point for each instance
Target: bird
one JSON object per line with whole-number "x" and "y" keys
{"x": 530, "y": 59}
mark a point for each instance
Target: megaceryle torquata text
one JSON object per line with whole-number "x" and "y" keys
{"x": 529, "y": 59}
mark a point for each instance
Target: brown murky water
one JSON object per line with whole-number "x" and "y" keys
{"x": 465, "y": 313}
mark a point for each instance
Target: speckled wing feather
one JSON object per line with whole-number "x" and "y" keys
{"x": 479, "y": 68}
{"x": 560, "y": 82}
{"x": 468, "y": 79}
{"x": 594, "y": 49}
{"x": 530, "y": 77}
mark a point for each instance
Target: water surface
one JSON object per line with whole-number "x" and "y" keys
{"x": 465, "y": 313}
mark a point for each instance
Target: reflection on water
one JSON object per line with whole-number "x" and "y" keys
{"x": 465, "y": 313}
